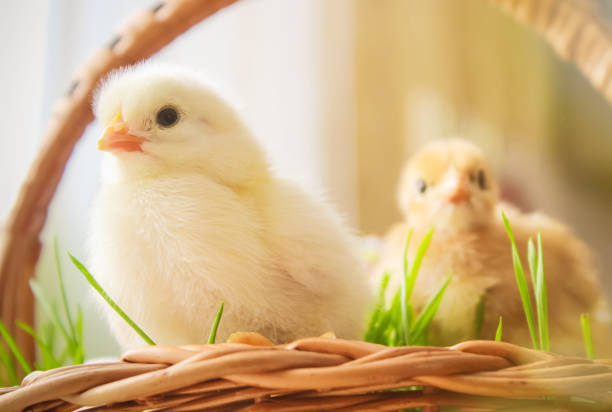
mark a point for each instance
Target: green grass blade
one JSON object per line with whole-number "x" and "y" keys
{"x": 79, "y": 355}
{"x": 394, "y": 332}
{"x": 410, "y": 280}
{"x": 213, "y": 331}
{"x": 51, "y": 313}
{"x": 14, "y": 349}
{"x": 63, "y": 291}
{"x": 79, "y": 323}
{"x": 69, "y": 341}
{"x": 3, "y": 376}
{"x": 405, "y": 295}
{"x": 380, "y": 333}
{"x": 428, "y": 312}
{"x": 522, "y": 284}
{"x": 382, "y": 290}
{"x": 416, "y": 265}
{"x": 47, "y": 331}
{"x": 479, "y": 316}
{"x": 498, "y": 332}
{"x": 48, "y": 360}
{"x": 108, "y": 300}
{"x": 9, "y": 366}
{"x": 542, "y": 299}
{"x": 532, "y": 260}
{"x": 379, "y": 308}
{"x": 585, "y": 322}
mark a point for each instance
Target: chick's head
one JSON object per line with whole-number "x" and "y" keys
{"x": 162, "y": 119}
{"x": 448, "y": 184}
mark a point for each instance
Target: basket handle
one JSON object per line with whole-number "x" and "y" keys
{"x": 575, "y": 31}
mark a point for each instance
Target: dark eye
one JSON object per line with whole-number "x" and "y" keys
{"x": 421, "y": 186}
{"x": 482, "y": 180}
{"x": 167, "y": 117}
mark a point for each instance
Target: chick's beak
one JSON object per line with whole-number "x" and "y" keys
{"x": 457, "y": 188}
{"x": 117, "y": 138}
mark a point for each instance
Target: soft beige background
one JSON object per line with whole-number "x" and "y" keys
{"x": 435, "y": 68}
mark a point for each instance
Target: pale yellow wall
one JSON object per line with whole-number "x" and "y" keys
{"x": 426, "y": 69}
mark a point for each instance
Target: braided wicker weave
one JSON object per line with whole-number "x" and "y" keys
{"x": 320, "y": 374}
{"x": 311, "y": 374}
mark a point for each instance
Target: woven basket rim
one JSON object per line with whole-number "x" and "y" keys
{"x": 319, "y": 374}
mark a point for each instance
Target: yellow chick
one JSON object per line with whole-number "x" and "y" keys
{"x": 449, "y": 186}
{"x": 189, "y": 215}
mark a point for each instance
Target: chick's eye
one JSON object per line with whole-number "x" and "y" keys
{"x": 167, "y": 117}
{"x": 421, "y": 186}
{"x": 482, "y": 180}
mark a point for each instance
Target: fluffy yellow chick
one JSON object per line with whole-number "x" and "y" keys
{"x": 448, "y": 185}
{"x": 189, "y": 215}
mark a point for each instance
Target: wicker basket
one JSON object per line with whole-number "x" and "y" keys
{"x": 311, "y": 374}
{"x": 320, "y": 374}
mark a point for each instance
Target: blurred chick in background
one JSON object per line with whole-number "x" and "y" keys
{"x": 448, "y": 185}
{"x": 189, "y": 215}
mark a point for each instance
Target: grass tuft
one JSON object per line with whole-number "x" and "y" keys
{"x": 70, "y": 330}
{"x": 535, "y": 258}
{"x": 397, "y": 324}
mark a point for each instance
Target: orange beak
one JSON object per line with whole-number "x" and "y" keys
{"x": 458, "y": 188}
{"x": 117, "y": 138}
